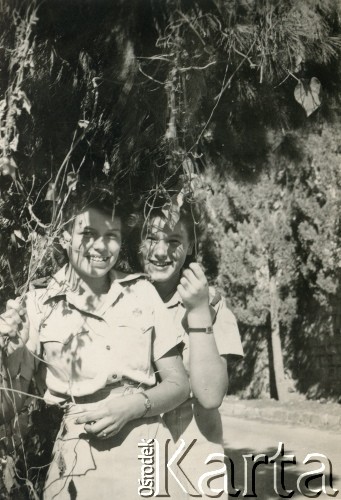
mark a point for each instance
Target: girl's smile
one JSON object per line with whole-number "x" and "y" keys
{"x": 97, "y": 258}
{"x": 160, "y": 264}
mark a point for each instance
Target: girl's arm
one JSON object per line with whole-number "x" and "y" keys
{"x": 115, "y": 413}
{"x": 174, "y": 387}
{"x": 208, "y": 370}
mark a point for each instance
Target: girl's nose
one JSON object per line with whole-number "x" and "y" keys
{"x": 161, "y": 248}
{"x": 99, "y": 243}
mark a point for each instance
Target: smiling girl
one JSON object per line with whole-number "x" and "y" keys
{"x": 102, "y": 335}
{"x": 207, "y": 329}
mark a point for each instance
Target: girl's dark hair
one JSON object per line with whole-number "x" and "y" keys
{"x": 97, "y": 198}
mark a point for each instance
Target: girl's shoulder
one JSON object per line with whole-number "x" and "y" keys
{"x": 143, "y": 290}
{"x": 219, "y": 304}
{"x": 138, "y": 283}
{"x": 137, "y": 280}
{"x": 36, "y": 305}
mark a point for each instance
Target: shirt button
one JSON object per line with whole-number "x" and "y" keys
{"x": 114, "y": 376}
{"x": 108, "y": 347}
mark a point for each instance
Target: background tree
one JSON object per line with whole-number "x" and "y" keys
{"x": 316, "y": 224}
{"x": 279, "y": 254}
{"x": 258, "y": 263}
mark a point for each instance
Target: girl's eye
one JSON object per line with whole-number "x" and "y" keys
{"x": 174, "y": 242}
{"x": 151, "y": 238}
{"x": 87, "y": 233}
{"x": 114, "y": 236}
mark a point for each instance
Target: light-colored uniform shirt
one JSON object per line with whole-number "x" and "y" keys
{"x": 225, "y": 328}
{"x": 201, "y": 429}
{"x": 85, "y": 348}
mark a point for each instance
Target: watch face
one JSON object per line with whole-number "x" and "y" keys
{"x": 147, "y": 402}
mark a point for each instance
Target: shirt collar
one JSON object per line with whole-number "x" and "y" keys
{"x": 57, "y": 286}
{"x": 174, "y": 301}
{"x": 60, "y": 286}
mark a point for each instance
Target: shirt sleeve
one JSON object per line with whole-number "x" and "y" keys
{"x": 225, "y": 330}
{"x": 165, "y": 332}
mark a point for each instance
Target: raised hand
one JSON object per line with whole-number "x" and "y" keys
{"x": 193, "y": 287}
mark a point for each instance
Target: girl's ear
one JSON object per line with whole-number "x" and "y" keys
{"x": 65, "y": 240}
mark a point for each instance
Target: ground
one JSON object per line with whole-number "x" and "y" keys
{"x": 320, "y": 415}
{"x": 257, "y": 429}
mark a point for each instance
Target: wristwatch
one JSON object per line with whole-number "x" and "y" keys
{"x": 208, "y": 329}
{"x": 147, "y": 404}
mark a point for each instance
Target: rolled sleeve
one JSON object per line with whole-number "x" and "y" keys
{"x": 226, "y": 332}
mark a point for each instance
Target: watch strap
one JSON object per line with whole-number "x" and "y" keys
{"x": 207, "y": 329}
{"x": 147, "y": 404}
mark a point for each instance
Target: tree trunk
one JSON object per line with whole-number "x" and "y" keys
{"x": 277, "y": 355}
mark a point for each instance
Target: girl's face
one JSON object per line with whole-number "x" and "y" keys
{"x": 94, "y": 243}
{"x": 164, "y": 250}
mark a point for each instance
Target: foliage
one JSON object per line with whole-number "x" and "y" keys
{"x": 315, "y": 352}
{"x": 288, "y": 215}
{"x": 258, "y": 248}
{"x": 134, "y": 94}
{"x": 317, "y": 213}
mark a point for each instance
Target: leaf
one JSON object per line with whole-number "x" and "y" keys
{"x": 299, "y": 59}
{"x": 61, "y": 465}
{"x": 17, "y": 238}
{"x": 308, "y": 96}
{"x": 14, "y": 143}
{"x": 171, "y": 211}
{"x": 19, "y": 234}
{"x": 32, "y": 491}
{"x": 180, "y": 199}
{"x": 83, "y": 123}
{"x": 22, "y": 97}
{"x": 72, "y": 490}
{"x": 188, "y": 168}
{"x": 26, "y": 103}
{"x": 8, "y": 167}
{"x": 106, "y": 167}
{"x": 51, "y": 193}
{"x": 71, "y": 181}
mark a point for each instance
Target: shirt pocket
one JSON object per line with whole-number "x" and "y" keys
{"x": 70, "y": 349}
{"x": 133, "y": 344}
{"x": 63, "y": 326}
